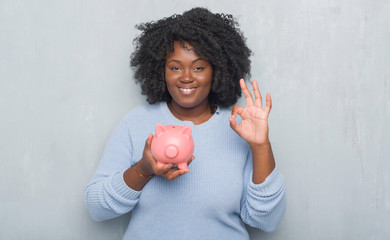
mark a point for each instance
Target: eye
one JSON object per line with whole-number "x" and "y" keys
{"x": 199, "y": 68}
{"x": 174, "y": 68}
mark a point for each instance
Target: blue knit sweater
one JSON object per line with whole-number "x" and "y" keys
{"x": 212, "y": 201}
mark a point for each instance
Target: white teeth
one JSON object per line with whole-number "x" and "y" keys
{"x": 187, "y": 89}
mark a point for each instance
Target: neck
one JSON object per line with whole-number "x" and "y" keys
{"x": 197, "y": 115}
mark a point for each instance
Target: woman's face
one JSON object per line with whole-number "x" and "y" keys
{"x": 188, "y": 77}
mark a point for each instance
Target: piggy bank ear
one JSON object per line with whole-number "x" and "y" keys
{"x": 186, "y": 131}
{"x": 160, "y": 129}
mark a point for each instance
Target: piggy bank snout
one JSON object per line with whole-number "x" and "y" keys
{"x": 171, "y": 151}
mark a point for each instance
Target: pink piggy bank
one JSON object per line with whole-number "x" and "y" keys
{"x": 172, "y": 144}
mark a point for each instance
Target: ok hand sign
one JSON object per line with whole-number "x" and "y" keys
{"x": 254, "y": 125}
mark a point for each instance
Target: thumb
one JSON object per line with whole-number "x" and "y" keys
{"x": 234, "y": 125}
{"x": 150, "y": 138}
{"x": 148, "y": 141}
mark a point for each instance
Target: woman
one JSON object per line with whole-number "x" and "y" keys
{"x": 191, "y": 69}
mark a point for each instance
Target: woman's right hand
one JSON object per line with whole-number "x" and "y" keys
{"x": 148, "y": 164}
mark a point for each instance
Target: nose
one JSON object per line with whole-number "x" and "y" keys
{"x": 186, "y": 77}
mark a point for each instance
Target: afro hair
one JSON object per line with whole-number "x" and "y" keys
{"x": 214, "y": 37}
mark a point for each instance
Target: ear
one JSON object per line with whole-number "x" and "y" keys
{"x": 160, "y": 129}
{"x": 186, "y": 131}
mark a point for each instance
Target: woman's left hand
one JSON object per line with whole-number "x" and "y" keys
{"x": 254, "y": 125}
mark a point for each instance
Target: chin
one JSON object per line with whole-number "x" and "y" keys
{"x": 188, "y": 104}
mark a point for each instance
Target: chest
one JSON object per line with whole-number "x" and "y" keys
{"x": 214, "y": 184}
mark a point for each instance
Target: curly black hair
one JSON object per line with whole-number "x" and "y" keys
{"x": 214, "y": 37}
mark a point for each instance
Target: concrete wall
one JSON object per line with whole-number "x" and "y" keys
{"x": 65, "y": 81}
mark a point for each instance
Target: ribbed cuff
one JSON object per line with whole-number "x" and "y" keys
{"x": 272, "y": 184}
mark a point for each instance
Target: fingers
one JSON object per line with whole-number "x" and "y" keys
{"x": 174, "y": 172}
{"x": 249, "y": 101}
{"x": 162, "y": 169}
{"x": 150, "y": 162}
{"x": 169, "y": 171}
{"x": 148, "y": 142}
{"x": 237, "y": 110}
{"x": 247, "y": 94}
{"x": 268, "y": 103}
{"x": 234, "y": 125}
{"x": 189, "y": 161}
{"x": 256, "y": 91}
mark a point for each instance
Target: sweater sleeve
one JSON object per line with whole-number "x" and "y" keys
{"x": 263, "y": 205}
{"x": 107, "y": 196}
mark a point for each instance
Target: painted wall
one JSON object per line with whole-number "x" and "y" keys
{"x": 65, "y": 82}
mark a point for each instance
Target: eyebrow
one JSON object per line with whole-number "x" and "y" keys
{"x": 174, "y": 60}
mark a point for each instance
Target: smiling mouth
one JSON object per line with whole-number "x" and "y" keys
{"x": 186, "y": 90}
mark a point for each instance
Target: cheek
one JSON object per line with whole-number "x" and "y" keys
{"x": 208, "y": 79}
{"x": 169, "y": 79}
{"x": 170, "y": 86}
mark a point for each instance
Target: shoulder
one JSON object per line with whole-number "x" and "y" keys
{"x": 139, "y": 121}
{"x": 223, "y": 124}
{"x": 142, "y": 112}
{"x": 224, "y": 111}
{"x": 140, "y": 117}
